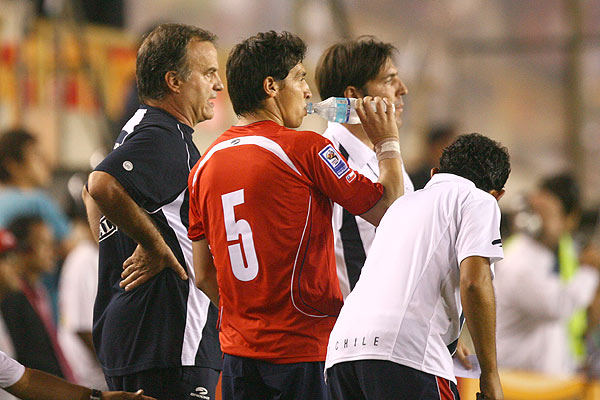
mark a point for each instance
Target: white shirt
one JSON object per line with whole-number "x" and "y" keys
{"x": 534, "y": 306}
{"x": 406, "y": 306}
{"x": 77, "y": 293}
{"x": 353, "y": 235}
{"x": 10, "y": 371}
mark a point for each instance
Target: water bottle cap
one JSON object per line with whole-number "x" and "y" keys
{"x": 309, "y": 108}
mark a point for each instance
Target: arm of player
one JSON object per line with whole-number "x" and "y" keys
{"x": 38, "y": 385}
{"x": 479, "y": 306}
{"x": 204, "y": 268}
{"x": 152, "y": 254}
{"x": 93, "y": 213}
{"x": 381, "y": 126}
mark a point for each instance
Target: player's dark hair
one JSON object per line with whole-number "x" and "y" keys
{"x": 12, "y": 147}
{"x": 163, "y": 50}
{"x": 565, "y": 188}
{"x": 351, "y": 63}
{"x": 21, "y": 228}
{"x": 256, "y": 58}
{"x": 479, "y": 159}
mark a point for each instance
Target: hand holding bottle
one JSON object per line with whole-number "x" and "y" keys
{"x": 379, "y": 122}
{"x": 337, "y": 109}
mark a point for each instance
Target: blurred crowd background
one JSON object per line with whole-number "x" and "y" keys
{"x": 524, "y": 73}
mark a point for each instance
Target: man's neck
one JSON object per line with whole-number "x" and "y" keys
{"x": 358, "y": 131}
{"x": 167, "y": 105}
{"x": 21, "y": 184}
{"x": 264, "y": 114}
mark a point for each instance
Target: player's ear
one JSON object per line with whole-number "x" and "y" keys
{"x": 173, "y": 81}
{"x": 270, "y": 86}
{"x": 497, "y": 193}
{"x": 352, "y": 92}
{"x": 433, "y": 171}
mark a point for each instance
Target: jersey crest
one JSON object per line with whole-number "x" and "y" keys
{"x": 106, "y": 229}
{"x": 334, "y": 161}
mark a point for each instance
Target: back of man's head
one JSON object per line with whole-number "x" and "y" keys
{"x": 163, "y": 50}
{"x": 256, "y": 58}
{"x": 351, "y": 63}
{"x": 479, "y": 159}
{"x": 565, "y": 188}
{"x": 12, "y": 149}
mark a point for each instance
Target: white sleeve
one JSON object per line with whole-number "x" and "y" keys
{"x": 10, "y": 371}
{"x": 539, "y": 293}
{"x": 77, "y": 292}
{"x": 479, "y": 231}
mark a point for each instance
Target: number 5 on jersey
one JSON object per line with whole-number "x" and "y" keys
{"x": 234, "y": 229}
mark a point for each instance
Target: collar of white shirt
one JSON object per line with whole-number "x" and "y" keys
{"x": 359, "y": 152}
{"x": 441, "y": 177}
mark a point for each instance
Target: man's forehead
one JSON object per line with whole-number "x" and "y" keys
{"x": 388, "y": 68}
{"x": 298, "y": 69}
{"x": 206, "y": 52}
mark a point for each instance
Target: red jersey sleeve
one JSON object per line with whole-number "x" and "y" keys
{"x": 196, "y": 228}
{"x": 330, "y": 173}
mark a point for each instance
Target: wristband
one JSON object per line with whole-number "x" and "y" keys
{"x": 388, "y": 148}
{"x": 96, "y": 395}
{"x": 388, "y": 145}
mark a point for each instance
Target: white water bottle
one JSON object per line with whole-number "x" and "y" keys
{"x": 337, "y": 109}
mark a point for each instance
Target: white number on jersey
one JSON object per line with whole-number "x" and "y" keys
{"x": 234, "y": 229}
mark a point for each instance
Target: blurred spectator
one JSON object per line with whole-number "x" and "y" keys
{"x": 27, "y": 311}
{"x": 438, "y": 138}
{"x": 23, "y": 172}
{"x": 8, "y": 283}
{"x": 77, "y": 293}
{"x": 541, "y": 288}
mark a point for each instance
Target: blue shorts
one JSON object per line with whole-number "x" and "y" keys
{"x": 386, "y": 380}
{"x": 248, "y": 379}
{"x": 178, "y": 383}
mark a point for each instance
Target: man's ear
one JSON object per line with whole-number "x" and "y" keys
{"x": 352, "y": 92}
{"x": 433, "y": 171}
{"x": 270, "y": 86}
{"x": 497, "y": 193}
{"x": 173, "y": 82}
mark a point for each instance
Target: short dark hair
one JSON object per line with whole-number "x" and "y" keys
{"x": 21, "y": 228}
{"x": 565, "y": 188}
{"x": 163, "y": 50}
{"x": 479, "y": 159}
{"x": 256, "y": 58}
{"x": 12, "y": 146}
{"x": 351, "y": 63}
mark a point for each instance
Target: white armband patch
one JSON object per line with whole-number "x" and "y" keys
{"x": 334, "y": 161}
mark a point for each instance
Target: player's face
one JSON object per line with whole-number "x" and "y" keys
{"x": 203, "y": 83}
{"x": 388, "y": 84}
{"x": 292, "y": 96}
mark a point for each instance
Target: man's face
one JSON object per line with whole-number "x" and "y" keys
{"x": 203, "y": 82}
{"x": 41, "y": 255}
{"x": 554, "y": 219}
{"x": 35, "y": 168}
{"x": 292, "y": 96}
{"x": 387, "y": 84}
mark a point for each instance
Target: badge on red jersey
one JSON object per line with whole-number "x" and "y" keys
{"x": 334, "y": 160}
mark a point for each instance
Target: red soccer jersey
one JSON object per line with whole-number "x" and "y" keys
{"x": 261, "y": 196}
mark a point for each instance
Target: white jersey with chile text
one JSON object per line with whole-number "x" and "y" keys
{"x": 405, "y": 307}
